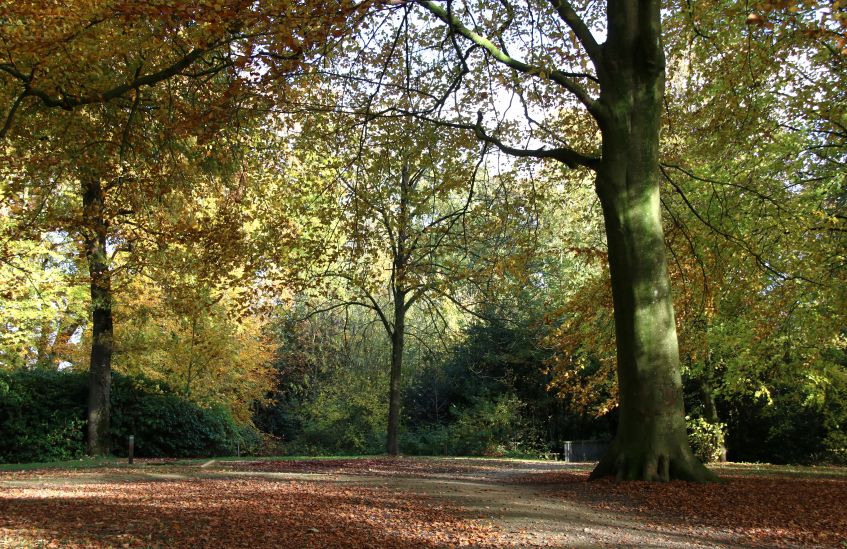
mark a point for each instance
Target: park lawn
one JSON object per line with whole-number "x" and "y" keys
{"x": 410, "y": 502}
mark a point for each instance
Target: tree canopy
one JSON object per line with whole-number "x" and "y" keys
{"x": 620, "y": 216}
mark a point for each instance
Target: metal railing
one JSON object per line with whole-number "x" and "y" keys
{"x": 584, "y": 450}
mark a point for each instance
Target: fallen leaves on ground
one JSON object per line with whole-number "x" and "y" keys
{"x": 251, "y": 513}
{"x": 255, "y": 504}
{"x": 377, "y": 466}
{"x": 767, "y": 511}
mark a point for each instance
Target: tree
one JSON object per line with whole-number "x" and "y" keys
{"x": 620, "y": 83}
{"x": 98, "y": 52}
{"x": 406, "y": 199}
{"x": 42, "y": 302}
{"x": 101, "y": 54}
{"x": 192, "y": 339}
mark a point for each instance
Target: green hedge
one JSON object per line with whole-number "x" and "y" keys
{"x": 42, "y": 418}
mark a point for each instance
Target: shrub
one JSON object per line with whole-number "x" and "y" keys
{"x": 492, "y": 427}
{"x": 42, "y": 415}
{"x": 42, "y": 418}
{"x": 347, "y": 415}
{"x": 706, "y": 439}
{"x": 166, "y": 425}
{"x": 835, "y": 448}
{"x": 426, "y": 440}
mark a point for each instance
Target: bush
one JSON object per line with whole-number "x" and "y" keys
{"x": 781, "y": 431}
{"x": 706, "y": 439}
{"x": 835, "y": 451}
{"x": 488, "y": 427}
{"x": 42, "y": 418}
{"x": 42, "y": 415}
{"x": 347, "y": 414}
{"x": 166, "y": 425}
{"x": 426, "y": 440}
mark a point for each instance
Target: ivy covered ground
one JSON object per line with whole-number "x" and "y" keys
{"x": 405, "y": 502}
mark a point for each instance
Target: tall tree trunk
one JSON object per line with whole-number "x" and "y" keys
{"x": 397, "y": 344}
{"x": 100, "y": 372}
{"x": 399, "y": 293}
{"x": 651, "y": 442}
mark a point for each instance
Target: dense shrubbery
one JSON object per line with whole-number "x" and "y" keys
{"x": 346, "y": 416}
{"x": 330, "y": 398}
{"x": 486, "y": 397}
{"x": 487, "y": 427}
{"x": 165, "y": 424}
{"x": 784, "y": 430}
{"x": 42, "y": 418}
{"x": 42, "y": 415}
{"x": 792, "y": 411}
{"x": 491, "y": 398}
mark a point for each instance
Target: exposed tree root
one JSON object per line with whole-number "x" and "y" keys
{"x": 652, "y": 465}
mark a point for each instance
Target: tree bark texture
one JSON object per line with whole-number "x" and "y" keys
{"x": 651, "y": 441}
{"x": 100, "y": 371}
{"x": 394, "y": 395}
{"x": 399, "y": 293}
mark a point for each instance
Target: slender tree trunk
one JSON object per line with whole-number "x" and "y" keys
{"x": 43, "y": 356}
{"x": 397, "y": 344}
{"x": 651, "y": 442}
{"x": 100, "y": 371}
{"x": 399, "y": 293}
{"x": 710, "y": 410}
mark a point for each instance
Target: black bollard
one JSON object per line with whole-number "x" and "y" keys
{"x": 131, "y": 448}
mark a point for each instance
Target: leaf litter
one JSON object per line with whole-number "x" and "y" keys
{"x": 188, "y": 507}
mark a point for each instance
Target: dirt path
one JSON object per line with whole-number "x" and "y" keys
{"x": 381, "y": 502}
{"x": 527, "y": 516}
{"x": 530, "y": 517}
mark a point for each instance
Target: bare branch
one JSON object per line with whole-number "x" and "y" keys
{"x": 11, "y": 116}
{"x": 564, "y": 79}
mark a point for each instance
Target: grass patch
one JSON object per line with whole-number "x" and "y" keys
{"x": 767, "y": 469}
{"x": 83, "y": 463}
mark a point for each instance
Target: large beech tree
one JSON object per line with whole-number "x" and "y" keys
{"x": 547, "y": 55}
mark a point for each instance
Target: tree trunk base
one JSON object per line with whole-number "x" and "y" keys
{"x": 652, "y": 465}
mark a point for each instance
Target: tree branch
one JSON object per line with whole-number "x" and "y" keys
{"x": 562, "y": 78}
{"x": 69, "y": 102}
{"x": 11, "y": 116}
{"x": 580, "y": 29}
{"x": 567, "y": 156}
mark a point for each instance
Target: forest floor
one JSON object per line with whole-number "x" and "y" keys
{"x": 413, "y": 502}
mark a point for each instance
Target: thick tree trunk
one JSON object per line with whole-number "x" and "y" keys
{"x": 651, "y": 442}
{"x": 100, "y": 371}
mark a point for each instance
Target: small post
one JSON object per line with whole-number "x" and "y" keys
{"x": 238, "y": 448}
{"x": 131, "y": 448}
